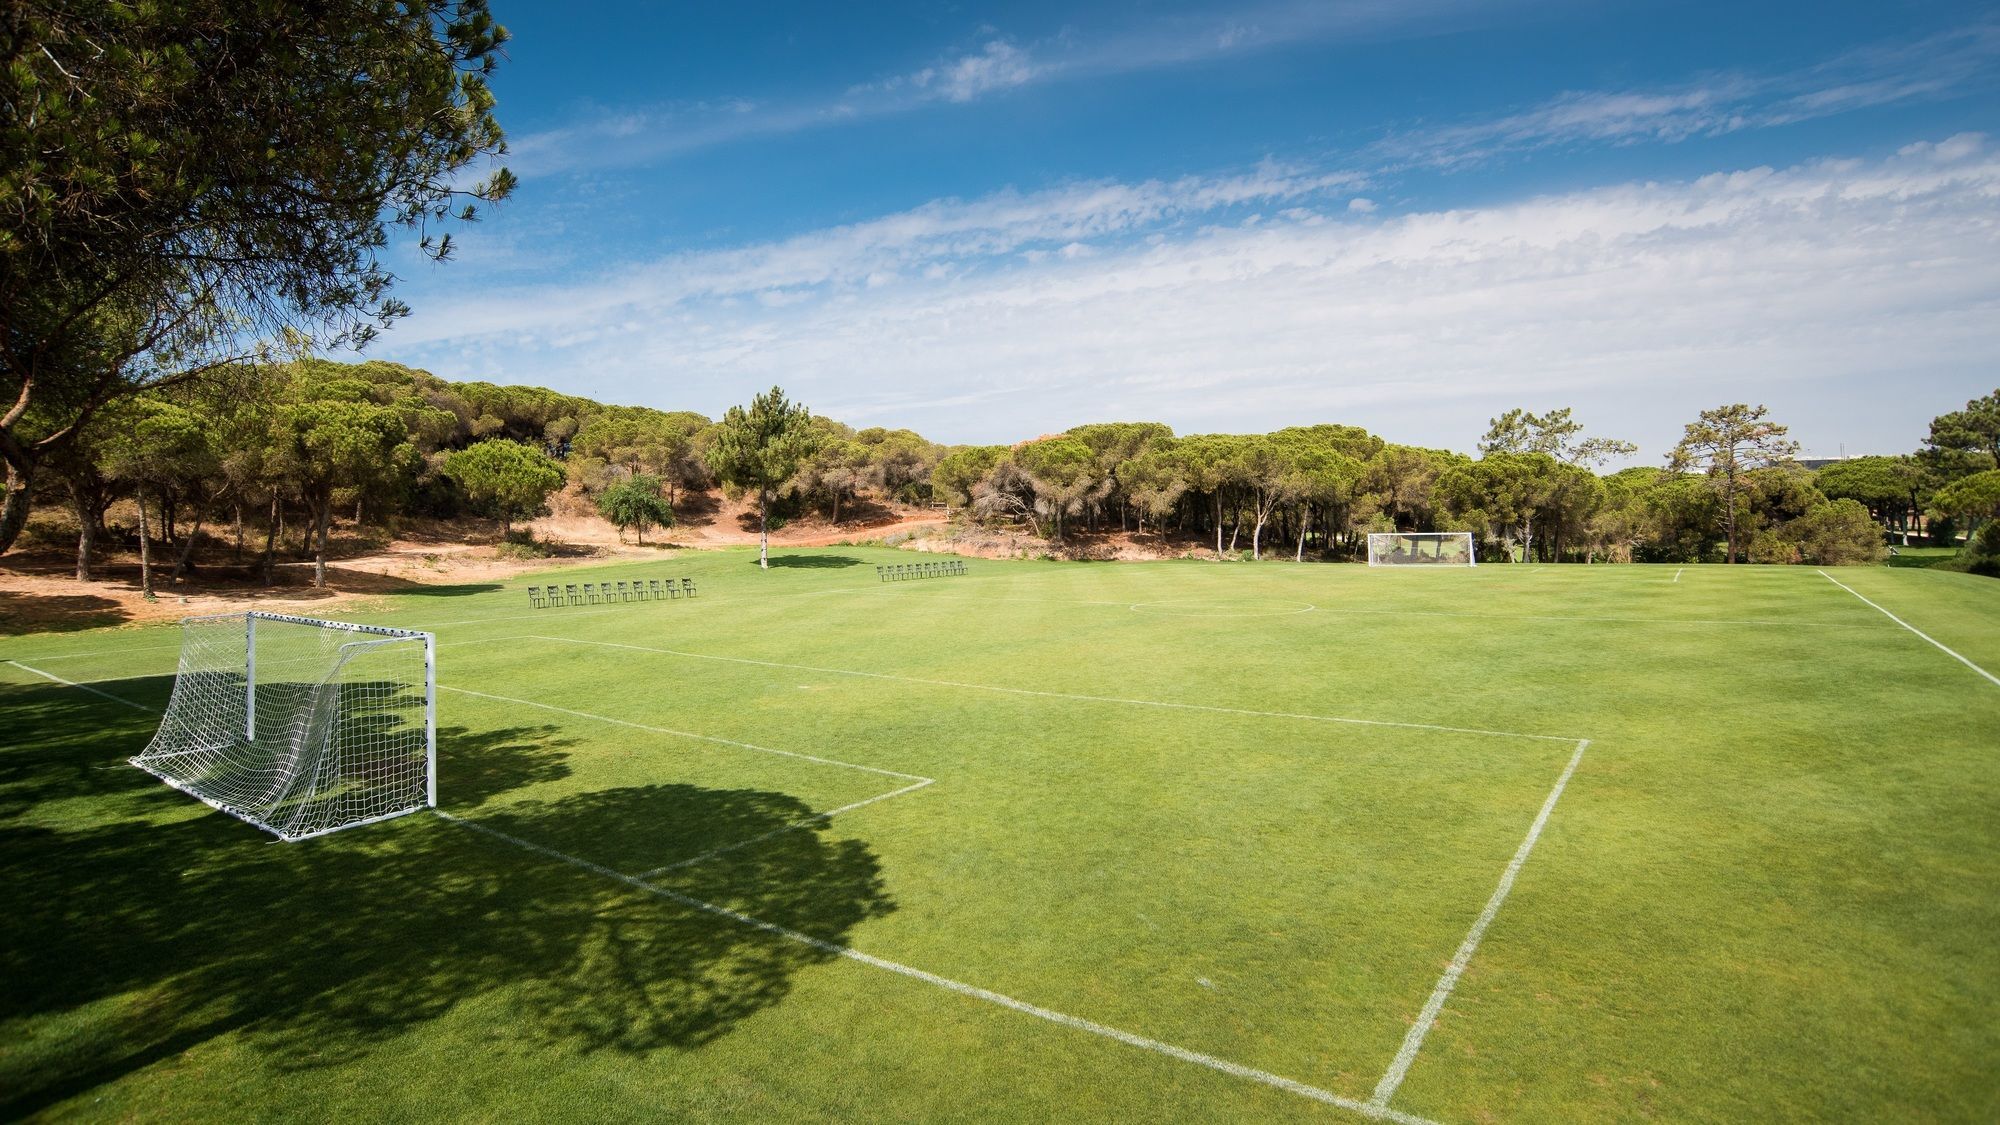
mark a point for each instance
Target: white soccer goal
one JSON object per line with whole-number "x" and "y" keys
{"x": 1421, "y": 548}
{"x": 300, "y": 726}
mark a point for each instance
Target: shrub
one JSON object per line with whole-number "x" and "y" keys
{"x": 1838, "y": 533}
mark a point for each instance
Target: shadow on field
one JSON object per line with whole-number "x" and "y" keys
{"x": 811, "y": 562}
{"x": 456, "y": 590}
{"x": 56, "y": 613}
{"x": 139, "y": 925}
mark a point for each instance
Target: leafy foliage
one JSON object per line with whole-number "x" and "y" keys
{"x": 637, "y": 503}
{"x": 509, "y": 478}
{"x": 760, "y": 448}
{"x": 180, "y": 180}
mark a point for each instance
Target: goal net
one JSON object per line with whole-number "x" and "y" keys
{"x": 1421, "y": 548}
{"x": 300, "y": 726}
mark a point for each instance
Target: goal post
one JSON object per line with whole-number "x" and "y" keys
{"x": 1421, "y": 548}
{"x": 300, "y": 726}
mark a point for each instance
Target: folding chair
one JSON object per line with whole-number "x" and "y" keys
{"x": 624, "y": 594}
{"x": 878, "y": 574}
{"x": 534, "y": 597}
{"x": 687, "y": 586}
{"x": 570, "y": 595}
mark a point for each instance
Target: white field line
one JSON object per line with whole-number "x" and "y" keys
{"x": 106, "y": 652}
{"x": 685, "y": 734}
{"x": 1613, "y": 620}
{"x": 1342, "y": 612}
{"x": 1074, "y": 696}
{"x": 1677, "y": 574}
{"x": 793, "y": 826}
{"x": 1990, "y": 678}
{"x": 1236, "y": 1070}
{"x": 86, "y": 687}
{"x": 1414, "y": 1040}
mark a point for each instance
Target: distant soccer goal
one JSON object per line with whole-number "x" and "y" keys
{"x": 1421, "y": 548}
{"x": 300, "y": 726}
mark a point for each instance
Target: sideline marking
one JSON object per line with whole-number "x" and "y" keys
{"x": 685, "y": 734}
{"x": 1414, "y": 1041}
{"x": 72, "y": 683}
{"x": 1236, "y": 1070}
{"x": 1990, "y": 677}
{"x": 1053, "y": 694}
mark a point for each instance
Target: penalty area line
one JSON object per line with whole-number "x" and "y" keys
{"x": 1076, "y": 1023}
{"x": 1990, "y": 677}
{"x": 1413, "y": 1042}
{"x": 53, "y": 678}
{"x": 685, "y": 734}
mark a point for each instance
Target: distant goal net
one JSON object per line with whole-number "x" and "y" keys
{"x": 1421, "y": 548}
{"x": 300, "y": 726}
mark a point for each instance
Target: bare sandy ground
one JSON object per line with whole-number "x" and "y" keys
{"x": 39, "y": 590}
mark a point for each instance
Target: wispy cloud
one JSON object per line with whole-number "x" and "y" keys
{"x": 992, "y": 64}
{"x": 1952, "y": 64}
{"x": 1270, "y": 297}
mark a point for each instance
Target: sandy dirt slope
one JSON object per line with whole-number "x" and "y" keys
{"x": 38, "y": 589}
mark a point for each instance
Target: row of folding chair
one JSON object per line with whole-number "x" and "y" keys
{"x": 911, "y": 571}
{"x": 604, "y": 593}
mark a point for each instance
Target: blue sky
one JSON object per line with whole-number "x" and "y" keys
{"x": 989, "y": 222}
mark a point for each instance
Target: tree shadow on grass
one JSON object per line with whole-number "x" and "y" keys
{"x": 22, "y": 613}
{"x": 140, "y": 925}
{"x": 811, "y": 562}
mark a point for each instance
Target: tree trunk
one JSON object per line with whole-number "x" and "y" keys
{"x": 763, "y": 529}
{"x": 14, "y": 513}
{"x": 86, "y": 531}
{"x": 271, "y": 542}
{"x": 1729, "y": 517}
{"x": 237, "y": 510}
{"x": 145, "y": 550}
{"x": 1305, "y": 521}
{"x": 323, "y": 518}
{"x": 181, "y": 563}
{"x": 1218, "y": 523}
{"x": 836, "y": 507}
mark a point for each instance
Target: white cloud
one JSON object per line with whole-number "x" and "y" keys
{"x": 1950, "y": 64}
{"x": 1632, "y": 296}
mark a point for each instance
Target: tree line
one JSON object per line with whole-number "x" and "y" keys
{"x": 267, "y": 459}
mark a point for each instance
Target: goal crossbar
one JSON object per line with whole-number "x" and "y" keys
{"x": 299, "y": 725}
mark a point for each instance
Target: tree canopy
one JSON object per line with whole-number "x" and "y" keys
{"x": 511, "y": 479}
{"x": 184, "y": 184}
{"x": 759, "y": 449}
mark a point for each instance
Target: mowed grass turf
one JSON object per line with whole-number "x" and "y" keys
{"x": 1244, "y": 816}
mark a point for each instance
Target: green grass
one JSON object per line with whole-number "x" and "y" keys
{"x": 1769, "y": 890}
{"x": 1922, "y": 557}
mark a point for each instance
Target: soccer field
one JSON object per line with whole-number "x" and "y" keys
{"x": 1058, "y": 841}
